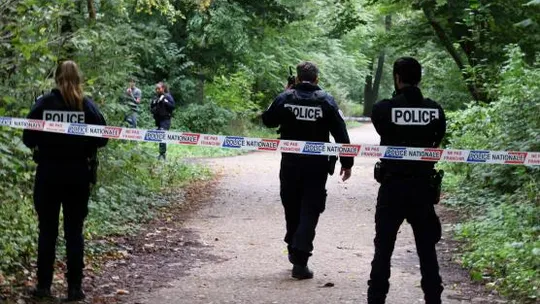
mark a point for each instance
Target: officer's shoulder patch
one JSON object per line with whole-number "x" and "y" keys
{"x": 44, "y": 97}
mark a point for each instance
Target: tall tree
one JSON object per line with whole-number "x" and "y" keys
{"x": 91, "y": 10}
{"x": 474, "y": 32}
{"x": 474, "y": 87}
{"x": 372, "y": 85}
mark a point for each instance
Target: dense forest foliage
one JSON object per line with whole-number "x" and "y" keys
{"x": 225, "y": 60}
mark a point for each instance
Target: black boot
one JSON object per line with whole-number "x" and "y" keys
{"x": 377, "y": 291}
{"x": 432, "y": 299}
{"x": 299, "y": 259}
{"x": 291, "y": 255}
{"x": 41, "y": 293}
{"x": 75, "y": 294}
{"x": 301, "y": 272}
{"x": 291, "y": 259}
{"x": 376, "y": 299}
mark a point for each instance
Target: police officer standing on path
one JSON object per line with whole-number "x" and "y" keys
{"x": 305, "y": 112}
{"x": 65, "y": 170}
{"x": 409, "y": 189}
{"x": 162, "y": 108}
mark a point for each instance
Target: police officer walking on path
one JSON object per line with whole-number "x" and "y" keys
{"x": 409, "y": 189}
{"x": 65, "y": 169}
{"x": 162, "y": 108}
{"x": 305, "y": 112}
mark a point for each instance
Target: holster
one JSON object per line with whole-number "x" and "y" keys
{"x": 332, "y": 160}
{"x": 436, "y": 183}
{"x": 379, "y": 172}
{"x": 435, "y": 179}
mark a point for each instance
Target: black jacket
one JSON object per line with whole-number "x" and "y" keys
{"x": 307, "y": 113}
{"x": 162, "y": 107}
{"x": 56, "y": 147}
{"x": 409, "y": 120}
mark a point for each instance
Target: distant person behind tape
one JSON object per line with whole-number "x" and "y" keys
{"x": 63, "y": 177}
{"x": 409, "y": 189}
{"x": 133, "y": 96}
{"x": 162, "y": 108}
{"x": 305, "y": 112}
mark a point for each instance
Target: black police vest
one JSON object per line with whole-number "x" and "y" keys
{"x": 412, "y": 123}
{"x": 65, "y": 147}
{"x": 305, "y": 117}
{"x": 160, "y": 111}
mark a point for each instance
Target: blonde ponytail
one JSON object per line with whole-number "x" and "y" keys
{"x": 69, "y": 81}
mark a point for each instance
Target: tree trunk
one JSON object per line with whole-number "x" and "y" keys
{"x": 378, "y": 75}
{"x": 368, "y": 91}
{"x": 91, "y": 11}
{"x": 476, "y": 93}
{"x": 371, "y": 89}
{"x": 66, "y": 48}
{"x": 202, "y": 78}
{"x": 380, "y": 62}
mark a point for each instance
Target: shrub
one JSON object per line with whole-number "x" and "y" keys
{"x": 503, "y": 245}
{"x": 503, "y": 237}
{"x": 203, "y": 118}
{"x": 232, "y": 92}
{"x": 509, "y": 123}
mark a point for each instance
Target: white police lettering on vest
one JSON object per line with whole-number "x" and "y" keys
{"x": 64, "y": 116}
{"x": 414, "y": 116}
{"x": 305, "y": 113}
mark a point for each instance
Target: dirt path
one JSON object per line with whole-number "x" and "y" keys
{"x": 243, "y": 228}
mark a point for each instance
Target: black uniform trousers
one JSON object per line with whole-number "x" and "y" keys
{"x": 411, "y": 199}
{"x": 66, "y": 185}
{"x": 303, "y": 196}
{"x": 163, "y": 124}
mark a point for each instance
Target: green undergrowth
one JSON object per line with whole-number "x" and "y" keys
{"x": 501, "y": 239}
{"x": 119, "y": 205}
{"x": 129, "y": 192}
{"x": 500, "y": 203}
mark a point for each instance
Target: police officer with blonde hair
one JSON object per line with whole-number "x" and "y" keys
{"x": 63, "y": 176}
{"x": 409, "y": 189}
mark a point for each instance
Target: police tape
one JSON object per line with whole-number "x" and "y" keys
{"x": 359, "y": 119}
{"x": 278, "y": 145}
